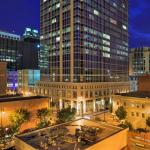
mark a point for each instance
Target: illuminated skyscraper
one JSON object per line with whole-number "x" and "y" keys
{"x": 87, "y": 43}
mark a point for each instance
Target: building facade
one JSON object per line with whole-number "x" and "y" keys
{"x": 19, "y": 52}
{"x": 87, "y": 43}
{"x": 12, "y": 81}
{"x": 9, "y": 104}
{"x": 139, "y": 65}
{"x": 137, "y": 105}
{"x": 3, "y": 78}
{"x": 27, "y": 79}
{"x": 139, "y": 62}
{"x": 9, "y": 47}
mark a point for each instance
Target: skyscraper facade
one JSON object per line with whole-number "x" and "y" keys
{"x": 87, "y": 41}
{"x": 139, "y": 62}
{"x": 20, "y": 52}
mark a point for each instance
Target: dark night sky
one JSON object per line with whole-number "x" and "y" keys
{"x": 18, "y": 14}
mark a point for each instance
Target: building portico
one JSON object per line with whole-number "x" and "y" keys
{"x": 85, "y": 97}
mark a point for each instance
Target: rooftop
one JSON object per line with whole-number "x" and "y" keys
{"x": 12, "y": 98}
{"x": 81, "y": 134}
{"x": 9, "y": 35}
{"x": 139, "y": 94}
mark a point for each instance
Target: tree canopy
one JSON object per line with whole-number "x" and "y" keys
{"x": 121, "y": 113}
{"x": 19, "y": 117}
{"x": 148, "y": 121}
{"x": 66, "y": 114}
{"x": 44, "y": 115}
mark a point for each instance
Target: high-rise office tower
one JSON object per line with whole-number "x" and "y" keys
{"x": 20, "y": 52}
{"x": 87, "y": 44}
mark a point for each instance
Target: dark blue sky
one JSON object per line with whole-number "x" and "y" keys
{"x": 18, "y": 14}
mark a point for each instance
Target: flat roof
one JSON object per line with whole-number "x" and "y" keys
{"x": 12, "y": 98}
{"x": 64, "y": 135}
{"x": 138, "y": 94}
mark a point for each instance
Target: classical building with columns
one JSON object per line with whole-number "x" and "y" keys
{"x": 85, "y": 97}
{"x": 84, "y": 51}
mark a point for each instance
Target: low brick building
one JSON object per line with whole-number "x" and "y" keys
{"x": 144, "y": 83}
{"x": 8, "y": 105}
{"x": 3, "y": 78}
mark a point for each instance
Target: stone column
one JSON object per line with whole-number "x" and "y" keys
{"x": 60, "y": 104}
{"x": 94, "y": 105}
{"x": 84, "y": 106}
{"x": 72, "y": 104}
{"x": 78, "y": 107}
{"x": 110, "y": 100}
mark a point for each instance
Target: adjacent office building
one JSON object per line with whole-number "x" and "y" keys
{"x": 86, "y": 50}
{"x": 20, "y": 52}
{"x": 139, "y": 62}
{"x": 9, "y": 47}
{"x": 27, "y": 79}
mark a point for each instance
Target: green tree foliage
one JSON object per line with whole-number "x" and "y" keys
{"x": 121, "y": 113}
{"x": 43, "y": 115}
{"x": 126, "y": 125}
{"x": 148, "y": 121}
{"x": 66, "y": 114}
{"x": 19, "y": 117}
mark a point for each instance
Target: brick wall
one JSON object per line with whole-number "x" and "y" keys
{"x": 3, "y": 78}
{"x": 32, "y": 105}
{"x": 144, "y": 83}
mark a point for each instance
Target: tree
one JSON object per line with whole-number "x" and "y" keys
{"x": 121, "y": 113}
{"x": 19, "y": 117}
{"x": 148, "y": 122}
{"x": 66, "y": 114}
{"x": 126, "y": 124}
{"x": 44, "y": 117}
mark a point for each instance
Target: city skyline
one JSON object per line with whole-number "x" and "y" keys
{"x": 74, "y": 74}
{"x": 138, "y": 12}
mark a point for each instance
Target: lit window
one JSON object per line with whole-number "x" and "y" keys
{"x": 124, "y": 27}
{"x": 58, "y": 39}
{"x": 106, "y": 55}
{"x": 106, "y": 36}
{"x": 96, "y": 12}
{"x": 106, "y": 42}
{"x": 113, "y": 21}
{"x": 107, "y": 49}
{"x": 58, "y": 5}
{"x": 54, "y": 20}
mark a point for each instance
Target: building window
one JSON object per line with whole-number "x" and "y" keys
{"x": 86, "y": 94}
{"x": 74, "y": 94}
{"x": 96, "y": 12}
{"x": 137, "y": 114}
{"x": 124, "y": 103}
{"x": 132, "y": 113}
{"x": 143, "y": 115}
